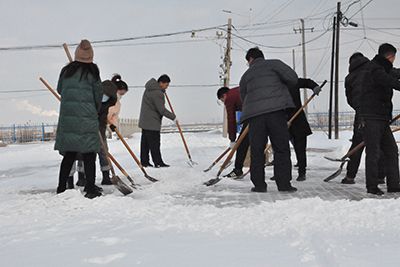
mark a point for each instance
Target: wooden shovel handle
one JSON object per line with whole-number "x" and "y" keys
{"x": 235, "y": 147}
{"x": 179, "y": 128}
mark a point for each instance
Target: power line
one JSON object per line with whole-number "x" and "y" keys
{"x": 108, "y": 41}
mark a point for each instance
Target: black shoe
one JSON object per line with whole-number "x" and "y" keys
{"x": 234, "y": 174}
{"x": 301, "y": 177}
{"x": 162, "y": 165}
{"x": 393, "y": 190}
{"x": 81, "y": 179}
{"x": 147, "y": 165}
{"x": 97, "y": 188}
{"x": 348, "y": 180}
{"x": 70, "y": 182}
{"x": 259, "y": 190}
{"x": 93, "y": 194}
{"x": 272, "y": 178}
{"x": 289, "y": 189}
{"x": 375, "y": 191}
{"x": 106, "y": 178}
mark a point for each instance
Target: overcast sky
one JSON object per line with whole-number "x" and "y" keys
{"x": 190, "y": 61}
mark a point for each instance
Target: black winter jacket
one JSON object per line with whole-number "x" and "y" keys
{"x": 299, "y": 126}
{"x": 377, "y": 90}
{"x": 358, "y": 71}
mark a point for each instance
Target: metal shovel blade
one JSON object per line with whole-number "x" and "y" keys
{"x": 151, "y": 179}
{"x": 212, "y": 181}
{"x": 120, "y": 185}
{"x": 209, "y": 168}
{"x": 335, "y": 174}
{"x": 191, "y": 163}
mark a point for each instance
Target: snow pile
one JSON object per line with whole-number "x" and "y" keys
{"x": 180, "y": 222}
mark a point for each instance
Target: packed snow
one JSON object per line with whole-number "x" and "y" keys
{"x": 180, "y": 222}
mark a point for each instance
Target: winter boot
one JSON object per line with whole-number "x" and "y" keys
{"x": 147, "y": 165}
{"x": 348, "y": 180}
{"x": 234, "y": 174}
{"x": 81, "y": 179}
{"x": 258, "y": 190}
{"x": 93, "y": 192}
{"x": 62, "y": 186}
{"x": 289, "y": 189}
{"x": 70, "y": 182}
{"x": 301, "y": 177}
{"x": 375, "y": 191}
{"x": 106, "y": 178}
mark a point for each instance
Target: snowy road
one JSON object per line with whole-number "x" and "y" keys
{"x": 180, "y": 222}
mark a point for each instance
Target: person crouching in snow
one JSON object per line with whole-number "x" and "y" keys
{"x": 78, "y": 125}
{"x": 151, "y": 113}
{"x": 112, "y": 92}
{"x": 233, "y": 103}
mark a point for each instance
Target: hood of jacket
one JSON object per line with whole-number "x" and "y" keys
{"x": 358, "y": 62}
{"x": 152, "y": 85}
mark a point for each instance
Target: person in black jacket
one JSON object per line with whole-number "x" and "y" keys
{"x": 376, "y": 112}
{"x": 299, "y": 128}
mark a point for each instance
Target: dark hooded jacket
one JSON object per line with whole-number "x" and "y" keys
{"x": 358, "y": 71}
{"x": 109, "y": 90}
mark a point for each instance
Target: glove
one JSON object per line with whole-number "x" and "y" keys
{"x": 232, "y": 144}
{"x": 113, "y": 127}
{"x": 317, "y": 90}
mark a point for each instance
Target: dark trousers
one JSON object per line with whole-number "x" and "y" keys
{"x": 89, "y": 160}
{"x": 355, "y": 159}
{"x": 300, "y": 147}
{"x": 274, "y": 126}
{"x": 380, "y": 143}
{"x": 104, "y": 164}
{"x": 150, "y": 142}
{"x": 242, "y": 150}
{"x": 354, "y": 163}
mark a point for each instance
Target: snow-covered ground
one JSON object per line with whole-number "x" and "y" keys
{"x": 180, "y": 222}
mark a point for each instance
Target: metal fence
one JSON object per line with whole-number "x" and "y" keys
{"x": 42, "y": 132}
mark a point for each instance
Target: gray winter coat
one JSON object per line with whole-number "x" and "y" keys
{"x": 153, "y": 107}
{"x": 264, "y": 87}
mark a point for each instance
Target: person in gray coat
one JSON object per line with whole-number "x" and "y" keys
{"x": 265, "y": 96}
{"x": 151, "y": 113}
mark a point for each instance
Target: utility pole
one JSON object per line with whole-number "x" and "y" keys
{"x": 294, "y": 59}
{"x": 332, "y": 74}
{"x": 303, "y": 45}
{"x": 338, "y": 20}
{"x": 227, "y": 72}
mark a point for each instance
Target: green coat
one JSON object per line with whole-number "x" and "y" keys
{"x": 78, "y": 124}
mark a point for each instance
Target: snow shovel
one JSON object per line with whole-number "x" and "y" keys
{"x": 190, "y": 162}
{"x": 228, "y": 158}
{"x": 152, "y": 179}
{"x": 346, "y": 159}
{"x": 118, "y": 183}
{"x": 218, "y": 159}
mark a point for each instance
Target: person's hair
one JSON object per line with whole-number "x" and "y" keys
{"x": 164, "y": 79}
{"x": 117, "y": 80}
{"x": 221, "y": 91}
{"x": 355, "y": 56}
{"x": 86, "y": 69}
{"x": 387, "y": 50}
{"x": 254, "y": 53}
